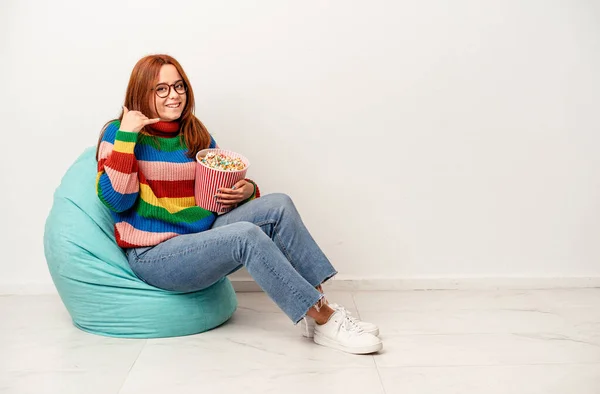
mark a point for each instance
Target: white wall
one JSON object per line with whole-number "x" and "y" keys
{"x": 452, "y": 139}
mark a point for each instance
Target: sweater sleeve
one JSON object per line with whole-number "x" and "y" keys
{"x": 254, "y": 195}
{"x": 213, "y": 143}
{"x": 117, "y": 181}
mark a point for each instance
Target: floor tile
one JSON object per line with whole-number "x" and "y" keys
{"x": 240, "y": 348}
{"x": 581, "y": 323}
{"x": 484, "y": 349}
{"x": 496, "y": 341}
{"x": 66, "y": 348}
{"x": 187, "y": 380}
{"x": 520, "y": 379}
{"x": 44, "y": 311}
{"x": 570, "y": 298}
{"x": 63, "y": 382}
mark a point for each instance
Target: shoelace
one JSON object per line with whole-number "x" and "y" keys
{"x": 346, "y": 311}
{"x": 349, "y": 323}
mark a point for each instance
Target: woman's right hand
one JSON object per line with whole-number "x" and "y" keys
{"x": 134, "y": 121}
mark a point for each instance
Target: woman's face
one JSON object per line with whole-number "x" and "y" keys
{"x": 171, "y": 106}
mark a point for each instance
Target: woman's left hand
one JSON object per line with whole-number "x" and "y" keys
{"x": 239, "y": 192}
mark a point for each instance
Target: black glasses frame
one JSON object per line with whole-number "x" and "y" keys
{"x": 169, "y": 88}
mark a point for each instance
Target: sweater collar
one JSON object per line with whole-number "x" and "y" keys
{"x": 164, "y": 129}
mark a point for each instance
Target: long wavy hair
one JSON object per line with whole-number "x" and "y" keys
{"x": 139, "y": 92}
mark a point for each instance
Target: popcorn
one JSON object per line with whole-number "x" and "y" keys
{"x": 217, "y": 168}
{"x": 222, "y": 162}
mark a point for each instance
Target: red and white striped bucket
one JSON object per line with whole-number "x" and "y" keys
{"x": 209, "y": 180}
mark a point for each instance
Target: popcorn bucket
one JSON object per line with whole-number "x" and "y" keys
{"x": 209, "y": 180}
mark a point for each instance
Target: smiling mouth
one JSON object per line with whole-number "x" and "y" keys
{"x": 173, "y": 105}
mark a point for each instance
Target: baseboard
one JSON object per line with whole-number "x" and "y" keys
{"x": 376, "y": 284}
{"x": 380, "y": 284}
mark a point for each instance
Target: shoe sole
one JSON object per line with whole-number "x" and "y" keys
{"x": 311, "y": 333}
{"x": 321, "y": 340}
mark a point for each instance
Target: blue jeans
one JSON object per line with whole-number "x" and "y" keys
{"x": 266, "y": 235}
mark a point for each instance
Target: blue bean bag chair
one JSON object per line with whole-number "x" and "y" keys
{"x": 92, "y": 276}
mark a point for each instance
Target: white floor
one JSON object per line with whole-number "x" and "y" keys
{"x": 480, "y": 342}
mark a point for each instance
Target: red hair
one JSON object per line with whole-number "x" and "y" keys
{"x": 144, "y": 77}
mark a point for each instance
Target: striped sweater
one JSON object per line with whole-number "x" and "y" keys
{"x": 149, "y": 187}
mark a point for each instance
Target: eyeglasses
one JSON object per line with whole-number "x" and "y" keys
{"x": 164, "y": 90}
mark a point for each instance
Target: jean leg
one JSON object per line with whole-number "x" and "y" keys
{"x": 194, "y": 262}
{"x": 278, "y": 217}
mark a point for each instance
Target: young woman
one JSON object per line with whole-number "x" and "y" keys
{"x": 146, "y": 168}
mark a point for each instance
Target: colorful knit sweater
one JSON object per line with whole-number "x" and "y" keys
{"x": 148, "y": 184}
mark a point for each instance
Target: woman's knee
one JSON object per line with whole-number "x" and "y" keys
{"x": 280, "y": 200}
{"x": 248, "y": 231}
{"x": 249, "y": 239}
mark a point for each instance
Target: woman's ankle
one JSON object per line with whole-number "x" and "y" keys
{"x": 321, "y": 314}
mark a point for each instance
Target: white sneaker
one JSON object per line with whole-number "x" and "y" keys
{"x": 342, "y": 333}
{"x": 308, "y": 323}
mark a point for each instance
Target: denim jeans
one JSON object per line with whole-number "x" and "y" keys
{"x": 266, "y": 235}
